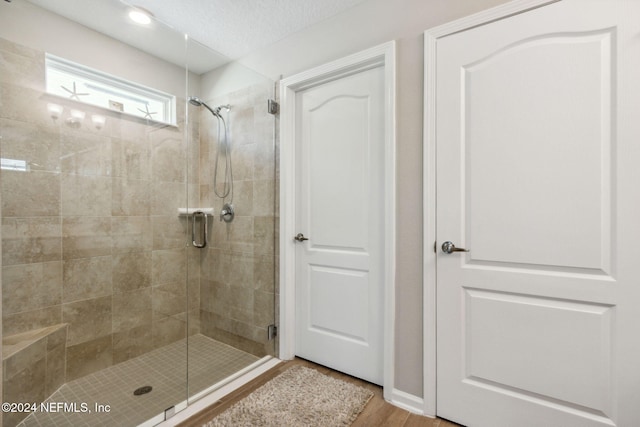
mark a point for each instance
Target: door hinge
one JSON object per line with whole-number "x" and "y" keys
{"x": 273, "y": 107}
{"x": 272, "y": 332}
{"x": 435, "y": 247}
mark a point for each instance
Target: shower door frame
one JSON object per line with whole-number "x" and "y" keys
{"x": 382, "y": 55}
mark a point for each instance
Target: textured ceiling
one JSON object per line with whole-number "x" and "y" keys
{"x": 237, "y": 27}
{"x": 231, "y": 28}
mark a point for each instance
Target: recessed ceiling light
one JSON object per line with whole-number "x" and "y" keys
{"x": 140, "y": 16}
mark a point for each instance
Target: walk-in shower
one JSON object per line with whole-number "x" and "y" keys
{"x": 104, "y": 159}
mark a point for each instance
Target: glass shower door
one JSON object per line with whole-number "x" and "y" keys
{"x": 235, "y": 136}
{"x": 108, "y": 307}
{"x": 95, "y": 257}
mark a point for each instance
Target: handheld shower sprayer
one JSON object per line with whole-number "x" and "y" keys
{"x": 224, "y": 147}
{"x": 194, "y": 100}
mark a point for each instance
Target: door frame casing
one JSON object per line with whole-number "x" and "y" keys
{"x": 382, "y": 55}
{"x": 431, "y": 38}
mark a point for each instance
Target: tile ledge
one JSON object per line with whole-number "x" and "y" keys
{"x": 12, "y": 344}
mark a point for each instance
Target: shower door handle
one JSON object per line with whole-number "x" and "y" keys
{"x": 300, "y": 237}
{"x": 204, "y": 221}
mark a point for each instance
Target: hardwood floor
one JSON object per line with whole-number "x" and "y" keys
{"x": 378, "y": 412}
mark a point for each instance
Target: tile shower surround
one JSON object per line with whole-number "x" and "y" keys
{"x": 33, "y": 366}
{"x": 209, "y": 362}
{"x": 91, "y": 238}
{"x": 90, "y": 235}
{"x": 237, "y": 279}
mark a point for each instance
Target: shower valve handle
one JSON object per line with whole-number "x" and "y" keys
{"x": 227, "y": 213}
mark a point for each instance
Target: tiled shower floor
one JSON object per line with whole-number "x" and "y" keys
{"x": 164, "y": 369}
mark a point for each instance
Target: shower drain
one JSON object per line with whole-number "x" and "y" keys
{"x": 142, "y": 390}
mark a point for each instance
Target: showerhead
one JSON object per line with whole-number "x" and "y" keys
{"x": 194, "y": 100}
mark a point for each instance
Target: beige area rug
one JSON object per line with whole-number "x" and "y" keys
{"x": 297, "y": 397}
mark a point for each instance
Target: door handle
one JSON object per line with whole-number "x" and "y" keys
{"x": 300, "y": 237}
{"x": 448, "y": 247}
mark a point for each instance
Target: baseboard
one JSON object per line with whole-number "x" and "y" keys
{"x": 407, "y": 401}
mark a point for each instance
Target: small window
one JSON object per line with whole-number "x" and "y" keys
{"x": 77, "y": 82}
{"x": 14, "y": 165}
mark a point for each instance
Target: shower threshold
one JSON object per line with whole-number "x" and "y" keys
{"x": 108, "y": 394}
{"x": 216, "y": 392}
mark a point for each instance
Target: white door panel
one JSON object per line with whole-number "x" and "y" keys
{"x": 336, "y": 131}
{"x": 325, "y": 283}
{"x": 551, "y": 126}
{"x": 339, "y": 277}
{"x": 488, "y": 335}
{"x": 535, "y": 155}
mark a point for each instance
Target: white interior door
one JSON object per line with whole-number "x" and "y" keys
{"x": 538, "y": 160}
{"x": 339, "y": 196}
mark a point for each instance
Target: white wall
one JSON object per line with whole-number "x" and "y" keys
{"x": 363, "y": 26}
{"x": 24, "y": 23}
{"x": 229, "y": 78}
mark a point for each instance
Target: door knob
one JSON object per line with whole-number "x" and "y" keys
{"x": 300, "y": 237}
{"x": 448, "y": 247}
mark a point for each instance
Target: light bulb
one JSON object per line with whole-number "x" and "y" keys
{"x": 77, "y": 116}
{"x": 140, "y": 16}
{"x": 98, "y": 120}
{"x": 55, "y": 110}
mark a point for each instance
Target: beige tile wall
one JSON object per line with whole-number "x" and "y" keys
{"x": 90, "y": 234}
{"x": 237, "y": 289}
{"x": 33, "y": 366}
